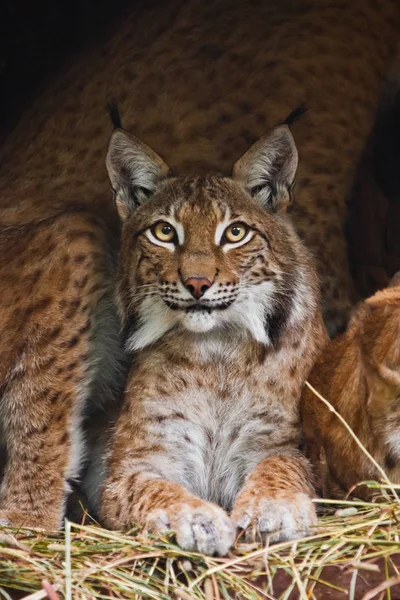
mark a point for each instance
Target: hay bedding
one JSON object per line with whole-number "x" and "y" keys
{"x": 354, "y": 553}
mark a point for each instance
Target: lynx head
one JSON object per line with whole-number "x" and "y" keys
{"x": 211, "y": 252}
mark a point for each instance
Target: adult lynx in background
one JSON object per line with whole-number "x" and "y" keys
{"x": 199, "y": 82}
{"x": 221, "y": 300}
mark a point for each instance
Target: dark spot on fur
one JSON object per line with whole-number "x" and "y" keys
{"x": 275, "y": 322}
{"x": 64, "y": 437}
{"x": 46, "y": 364}
{"x": 234, "y": 433}
{"x": 79, "y": 258}
{"x": 85, "y": 327}
{"x": 262, "y": 354}
{"x": 39, "y": 306}
{"x": 54, "y": 397}
{"x": 209, "y": 435}
{"x": 80, "y": 283}
{"x": 72, "y": 342}
{"x": 49, "y": 336}
{"x": 34, "y": 277}
{"x": 73, "y": 308}
{"x": 178, "y": 415}
{"x": 390, "y": 461}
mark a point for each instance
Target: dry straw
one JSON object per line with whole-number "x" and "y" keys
{"x": 86, "y": 562}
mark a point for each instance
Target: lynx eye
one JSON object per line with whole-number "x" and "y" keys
{"x": 164, "y": 232}
{"x": 235, "y": 232}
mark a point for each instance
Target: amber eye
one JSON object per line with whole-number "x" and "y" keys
{"x": 164, "y": 232}
{"x": 235, "y": 232}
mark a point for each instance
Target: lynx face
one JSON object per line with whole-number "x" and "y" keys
{"x": 207, "y": 253}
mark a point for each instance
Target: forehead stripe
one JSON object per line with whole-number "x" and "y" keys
{"x": 177, "y": 225}
{"x": 222, "y": 226}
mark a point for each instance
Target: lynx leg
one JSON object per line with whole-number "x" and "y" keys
{"x": 50, "y": 364}
{"x": 161, "y": 506}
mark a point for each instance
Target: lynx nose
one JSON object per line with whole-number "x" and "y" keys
{"x": 197, "y": 286}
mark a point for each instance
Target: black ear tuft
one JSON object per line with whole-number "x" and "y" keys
{"x": 113, "y": 111}
{"x": 295, "y": 114}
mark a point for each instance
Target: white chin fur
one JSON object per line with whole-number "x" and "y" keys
{"x": 245, "y": 315}
{"x": 199, "y": 322}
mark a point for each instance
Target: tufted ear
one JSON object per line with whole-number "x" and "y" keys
{"x": 134, "y": 171}
{"x": 268, "y": 169}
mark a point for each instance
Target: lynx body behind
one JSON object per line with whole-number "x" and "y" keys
{"x": 359, "y": 373}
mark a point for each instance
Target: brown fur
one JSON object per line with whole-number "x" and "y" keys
{"x": 359, "y": 374}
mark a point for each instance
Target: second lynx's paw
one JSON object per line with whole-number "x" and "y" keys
{"x": 287, "y": 516}
{"x": 198, "y": 526}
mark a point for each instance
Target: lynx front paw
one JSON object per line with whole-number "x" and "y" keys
{"x": 198, "y": 526}
{"x": 286, "y": 516}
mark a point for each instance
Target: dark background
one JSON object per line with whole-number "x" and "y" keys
{"x": 38, "y": 36}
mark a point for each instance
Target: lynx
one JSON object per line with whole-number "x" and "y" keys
{"x": 221, "y": 303}
{"x": 359, "y": 373}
